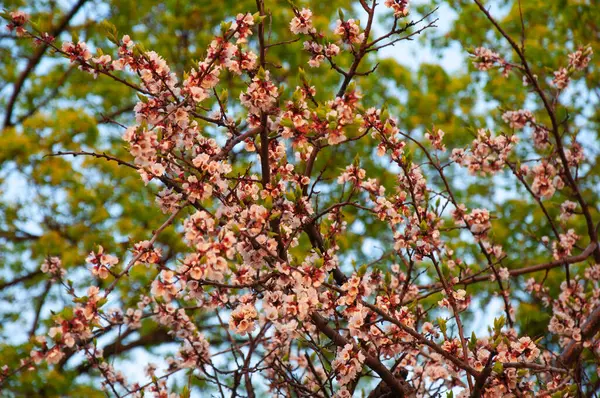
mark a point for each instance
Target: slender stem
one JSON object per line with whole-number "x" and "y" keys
{"x": 141, "y": 253}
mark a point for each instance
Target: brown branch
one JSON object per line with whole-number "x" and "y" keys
{"x": 312, "y": 229}
{"x": 154, "y": 337}
{"x": 18, "y": 236}
{"x": 485, "y": 373}
{"x": 409, "y": 36}
{"x": 49, "y": 98}
{"x": 233, "y": 141}
{"x": 39, "y": 306}
{"x": 395, "y": 31}
{"x": 35, "y": 59}
{"x": 416, "y": 335}
{"x": 533, "y": 366}
{"x": 527, "y": 270}
{"x": 102, "y": 155}
{"x": 461, "y": 334}
{"x": 141, "y": 253}
{"x": 20, "y": 279}
{"x": 348, "y": 76}
{"x": 109, "y": 118}
{"x": 440, "y": 171}
{"x": 399, "y": 387}
{"x": 588, "y": 330}
{"x": 316, "y": 375}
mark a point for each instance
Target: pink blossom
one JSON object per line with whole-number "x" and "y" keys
{"x": 484, "y": 59}
{"x": 18, "y": 19}
{"x": 561, "y": 79}
{"x": 101, "y": 262}
{"x": 261, "y": 95}
{"x": 518, "y": 119}
{"x": 349, "y": 31}
{"x": 242, "y": 319}
{"x": 581, "y": 58}
{"x": 53, "y": 266}
{"x": 302, "y": 22}
{"x": 400, "y": 7}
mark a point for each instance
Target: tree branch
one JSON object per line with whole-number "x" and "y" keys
{"x": 399, "y": 387}
{"x": 35, "y": 59}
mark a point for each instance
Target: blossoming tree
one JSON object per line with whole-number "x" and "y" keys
{"x": 269, "y": 221}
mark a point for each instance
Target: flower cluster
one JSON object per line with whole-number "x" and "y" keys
{"x": 77, "y": 51}
{"x": 564, "y": 246}
{"x": 567, "y": 209}
{"x": 478, "y": 221}
{"x": 349, "y": 31}
{"x": 352, "y": 174}
{"x": 400, "y": 7}
{"x": 320, "y": 52}
{"x": 53, "y": 266}
{"x": 261, "y": 95}
{"x": 347, "y": 364}
{"x": 242, "y": 27}
{"x": 101, "y": 263}
{"x": 435, "y": 137}
{"x": 247, "y": 230}
{"x": 518, "y": 119}
{"x": 485, "y": 59}
{"x": 461, "y": 301}
{"x": 242, "y": 320}
{"x": 18, "y": 19}
{"x": 488, "y": 154}
{"x": 302, "y": 22}
{"x": 545, "y": 180}
{"x": 561, "y": 79}
{"x": 540, "y": 137}
{"x": 145, "y": 252}
{"x": 72, "y": 327}
{"x": 581, "y": 58}
{"x": 572, "y": 307}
